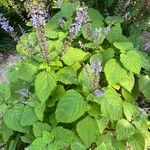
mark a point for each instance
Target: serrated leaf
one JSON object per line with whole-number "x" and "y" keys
{"x": 28, "y": 116}
{"x": 58, "y": 92}
{"x": 48, "y": 137}
{"x": 114, "y": 72}
{"x": 124, "y": 46}
{"x": 124, "y": 129}
{"x": 144, "y": 85}
{"x": 88, "y": 130}
{"x": 39, "y": 110}
{"x": 38, "y": 144}
{"x": 39, "y": 127}
{"x": 5, "y": 92}
{"x": 111, "y": 105}
{"x": 70, "y": 107}
{"x": 67, "y": 75}
{"x": 73, "y": 55}
{"x": 12, "y": 118}
{"x": 68, "y": 9}
{"x": 102, "y": 123}
{"x": 5, "y": 132}
{"x": 45, "y": 82}
{"x": 130, "y": 110}
{"x": 131, "y": 61}
{"x": 26, "y": 71}
{"x": 63, "y": 138}
{"x": 137, "y": 142}
{"x": 114, "y": 34}
{"x": 128, "y": 82}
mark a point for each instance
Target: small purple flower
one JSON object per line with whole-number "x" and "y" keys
{"x": 81, "y": 13}
{"x": 96, "y": 66}
{"x": 7, "y": 27}
{"x": 99, "y": 92}
{"x": 38, "y": 15}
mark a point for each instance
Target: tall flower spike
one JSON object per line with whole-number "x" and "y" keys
{"x": 39, "y": 15}
{"x": 96, "y": 68}
{"x": 7, "y": 27}
{"x": 81, "y": 13}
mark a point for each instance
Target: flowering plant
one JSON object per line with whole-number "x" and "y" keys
{"x": 75, "y": 85}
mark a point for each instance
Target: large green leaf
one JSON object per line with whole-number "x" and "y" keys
{"x": 38, "y": 144}
{"x": 12, "y": 118}
{"x": 144, "y": 85}
{"x": 131, "y": 61}
{"x": 26, "y": 71}
{"x": 4, "y": 91}
{"x": 63, "y": 138}
{"x": 45, "y": 82}
{"x": 28, "y": 116}
{"x": 114, "y": 34}
{"x": 128, "y": 82}
{"x": 5, "y": 132}
{"x": 114, "y": 72}
{"x": 124, "y": 129}
{"x": 70, "y": 107}
{"x": 73, "y": 55}
{"x": 111, "y": 105}
{"x": 124, "y": 46}
{"x": 88, "y": 130}
{"x": 68, "y": 9}
{"x": 137, "y": 142}
{"x": 39, "y": 127}
{"x": 130, "y": 110}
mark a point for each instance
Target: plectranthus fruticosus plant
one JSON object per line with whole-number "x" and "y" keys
{"x": 84, "y": 98}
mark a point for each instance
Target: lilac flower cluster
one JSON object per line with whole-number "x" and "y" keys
{"x": 81, "y": 13}
{"x": 38, "y": 14}
{"x": 99, "y": 92}
{"x": 7, "y": 27}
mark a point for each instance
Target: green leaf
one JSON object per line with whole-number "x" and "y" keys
{"x": 88, "y": 130}
{"x": 128, "y": 82}
{"x": 124, "y": 46}
{"x": 111, "y": 105}
{"x": 130, "y": 110}
{"x": 58, "y": 92}
{"x": 114, "y": 72}
{"x": 45, "y": 82}
{"x": 96, "y": 18}
{"x": 38, "y": 144}
{"x": 102, "y": 123}
{"x": 124, "y": 129}
{"x": 131, "y": 61}
{"x": 13, "y": 116}
{"x": 4, "y": 91}
{"x": 39, "y": 127}
{"x": 102, "y": 146}
{"x": 73, "y": 55}
{"x": 137, "y": 142}
{"x": 39, "y": 110}
{"x": 67, "y": 75}
{"x": 26, "y": 71}
{"x": 114, "y": 34}
{"x": 144, "y": 85}
{"x": 63, "y": 138}
{"x": 68, "y": 9}
{"x": 70, "y": 107}
{"x": 6, "y": 132}
{"x": 48, "y": 137}
{"x": 28, "y": 116}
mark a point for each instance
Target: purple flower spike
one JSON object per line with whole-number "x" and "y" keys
{"x": 7, "y": 27}
{"x": 96, "y": 66}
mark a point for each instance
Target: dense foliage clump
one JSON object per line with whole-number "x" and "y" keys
{"x": 75, "y": 85}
